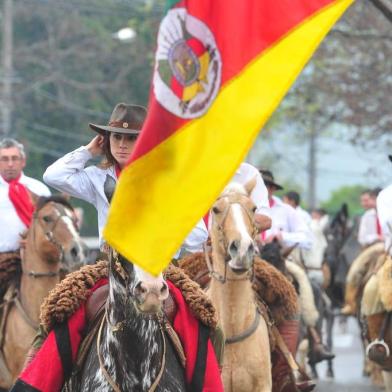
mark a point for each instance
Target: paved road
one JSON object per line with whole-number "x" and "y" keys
{"x": 347, "y": 364}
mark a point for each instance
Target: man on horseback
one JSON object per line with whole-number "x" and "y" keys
{"x": 291, "y": 230}
{"x": 370, "y": 236}
{"x": 16, "y": 193}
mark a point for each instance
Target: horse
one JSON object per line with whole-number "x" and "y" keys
{"x": 51, "y": 242}
{"x": 342, "y": 248}
{"x": 246, "y": 360}
{"x": 376, "y": 310}
{"x": 131, "y": 351}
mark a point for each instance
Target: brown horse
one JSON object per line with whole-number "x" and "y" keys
{"x": 376, "y": 307}
{"x": 52, "y": 242}
{"x": 246, "y": 362}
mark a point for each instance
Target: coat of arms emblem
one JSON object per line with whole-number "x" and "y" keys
{"x": 188, "y": 66}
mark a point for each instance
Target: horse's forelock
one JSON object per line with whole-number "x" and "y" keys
{"x": 234, "y": 187}
{"x": 42, "y": 201}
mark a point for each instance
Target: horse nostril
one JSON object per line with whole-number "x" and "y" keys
{"x": 140, "y": 289}
{"x": 74, "y": 252}
{"x": 164, "y": 288}
{"x": 233, "y": 248}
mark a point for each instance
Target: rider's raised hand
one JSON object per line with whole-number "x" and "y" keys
{"x": 96, "y": 146}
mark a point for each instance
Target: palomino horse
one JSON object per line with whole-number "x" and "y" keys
{"x": 51, "y": 242}
{"x": 376, "y": 309}
{"x": 131, "y": 351}
{"x": 246, "y": 362}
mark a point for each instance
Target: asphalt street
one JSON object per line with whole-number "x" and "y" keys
{"x": 347, "y": 363}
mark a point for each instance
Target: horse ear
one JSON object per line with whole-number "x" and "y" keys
{"x": 250, "y": 185}
{"x": 34, "y": 198}
{"x": 345, "y": 210}
{"x": 285, "y": 252}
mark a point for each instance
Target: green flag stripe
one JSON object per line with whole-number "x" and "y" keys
{"x": 170, "y": 4}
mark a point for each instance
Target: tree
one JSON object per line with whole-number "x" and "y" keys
{"x": 347, "y": 194}
{"x": 69, "y": 71}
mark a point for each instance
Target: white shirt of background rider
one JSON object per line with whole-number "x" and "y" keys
{"x": 69, "y": 174}
{"x": 245, "y": 173}
{"x": 384, "y": 210}
{"x": 367, "y": 232}
{"x": 10, "y": 223}
{"x": 287, "y": 221}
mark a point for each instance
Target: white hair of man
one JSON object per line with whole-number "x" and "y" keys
{"x": 9, "y": 143}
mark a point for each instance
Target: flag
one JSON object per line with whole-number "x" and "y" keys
{"x": 221, "y": 69}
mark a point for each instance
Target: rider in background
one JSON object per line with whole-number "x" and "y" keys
{"x": 96, "y": 183}
{"x": 16, "y": 195}
{"x": 370, "y": 236}
{"x": 291, "y": 230}
{"x": 369, "y": 230}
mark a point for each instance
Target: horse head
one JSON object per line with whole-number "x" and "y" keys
{"x": 276, "y": 254}
{"x": 336, "y": 234}
{"x": 233, "y": 227}
{"x": 130, "y": 284}
{"x": 54, "y": 233}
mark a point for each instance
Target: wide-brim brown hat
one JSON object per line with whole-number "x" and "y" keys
{"x": 268, "y": 179}
{"x": 124, "y": 119}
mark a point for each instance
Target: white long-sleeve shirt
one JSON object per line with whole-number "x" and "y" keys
{"x": 367, "y": 232}
{"x": 287, "y": 221}
{"x": 69, "y": 174}
{"x": 10, "y": 224}
{"x": 384, "y": 210}
{"x": 245, "y": 173}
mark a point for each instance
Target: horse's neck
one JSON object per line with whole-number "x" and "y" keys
{"x": 136, "y": 342}
{"x": 34, "y": 290}
{"x": 234, "y": 300}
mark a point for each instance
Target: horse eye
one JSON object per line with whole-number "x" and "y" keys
{"x": 254, "y": 209}
{"x": 215, "y": 210}
{"x": 47, "y": 219}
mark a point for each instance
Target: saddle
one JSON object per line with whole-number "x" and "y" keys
{"x": 75, "y": 289}
{"x": 272, "y": 289}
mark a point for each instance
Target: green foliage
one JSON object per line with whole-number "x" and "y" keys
{"x": 346, "y": 194}
{"x": 70, "y": 71}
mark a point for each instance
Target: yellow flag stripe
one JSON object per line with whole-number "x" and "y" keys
{"x": 184, "y": 175}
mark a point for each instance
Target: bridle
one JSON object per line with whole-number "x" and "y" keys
{"x": 233, "y": 199}
{"x": 49, "y": 234}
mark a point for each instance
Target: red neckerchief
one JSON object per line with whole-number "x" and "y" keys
{"x": 117, "y": 169}
{"x": 378, "y": 226}
{"x": 271, "y": 202}
{"x": 21, "y": 200}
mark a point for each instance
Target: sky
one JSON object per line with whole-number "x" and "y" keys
{"x": 339, "y": 163}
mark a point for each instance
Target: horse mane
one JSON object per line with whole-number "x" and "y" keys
{"x": 43, "y": 200}
{"x": 10, "y": 270}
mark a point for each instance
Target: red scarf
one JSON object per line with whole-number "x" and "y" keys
{"x": 46, "y": 372}
{"x": 117, "y": 169}
{"x": 20, "y": 198}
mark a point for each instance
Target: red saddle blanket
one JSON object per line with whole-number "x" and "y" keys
{"x": 48, "y": 370}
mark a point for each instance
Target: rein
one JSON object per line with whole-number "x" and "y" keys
{"x": 107, "y": 376}
{"x": 49, "y": 233}
{"x": 37, "y": 275}
{"x": 248, "y": 332}
{"x": 223, "y": 278}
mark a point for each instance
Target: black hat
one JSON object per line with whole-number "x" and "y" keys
{"x": 268, "y": 179}
{"x": 124, "y": 119}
